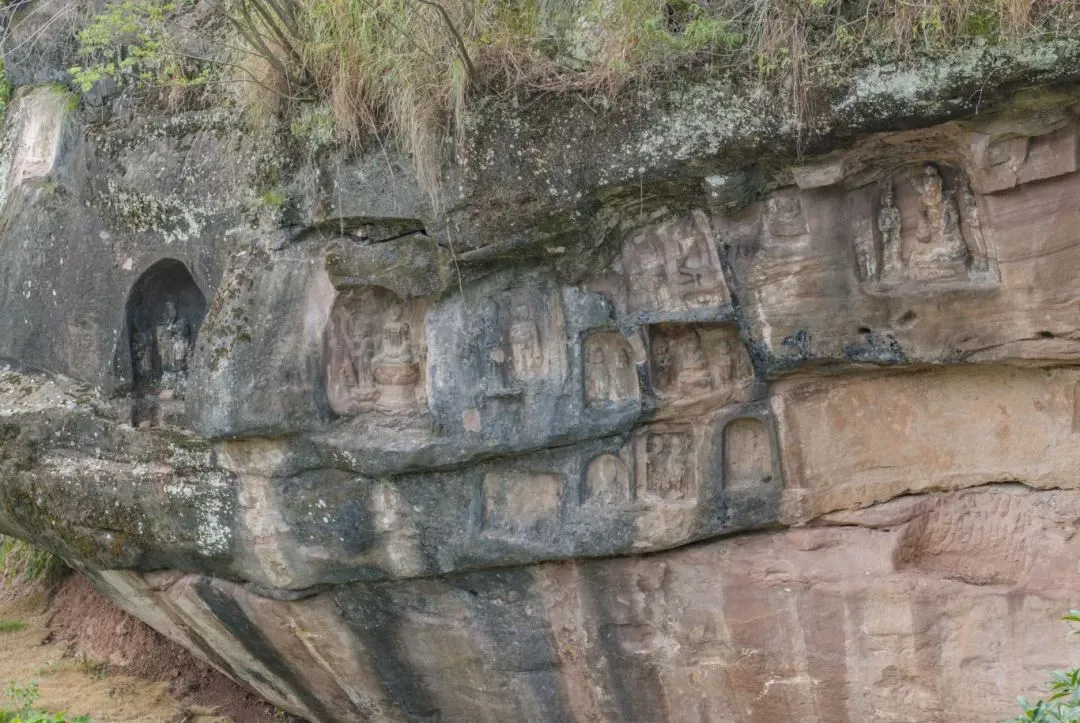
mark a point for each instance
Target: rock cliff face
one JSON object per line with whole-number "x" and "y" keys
{"x": 647, "y": 423}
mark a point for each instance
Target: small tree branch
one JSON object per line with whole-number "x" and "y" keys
{"x": 460, "y": 41}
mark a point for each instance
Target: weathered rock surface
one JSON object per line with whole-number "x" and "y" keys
{"x": 494, "y": 464}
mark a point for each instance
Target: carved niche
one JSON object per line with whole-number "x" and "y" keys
{"x": 747, "y": 454}
{"x": 692, "y": 361}
{"x": 667, "y": 465}
{"x": 607, "y": 480}
{"x": 377, "y": 354}
{"x": 516, "y": 502}
{"x": 610, "y": 371}
{"x": 529, "y": 342}
{"x": 670, "y": 266}
{"x": 927, "y": 229}
{"x": 164, "y": 311}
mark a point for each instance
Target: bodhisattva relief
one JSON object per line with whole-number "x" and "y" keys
{"x": 607, "y": 481}
{"x": 610, "y": 372}
{"x": 669, "y": 461}
{"x": 530, "y": 344}
{"x": 160, "y": 354}
{"x": 747, "y": 454}
{"x": 691, "y": 361}
{"x": 376, "y": 354}
{"x": 927, "y": 228}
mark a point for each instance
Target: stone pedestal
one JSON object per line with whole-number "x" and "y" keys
{"x": 397, "y": 386}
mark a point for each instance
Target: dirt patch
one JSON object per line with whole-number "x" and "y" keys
{"x": 90, "y": 657}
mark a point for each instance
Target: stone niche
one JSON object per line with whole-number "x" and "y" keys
{"x": 668, "y": 267}
{"x": 611, "y": 375}
{"x": 376, "y": 355}
{"x": 165, "y": 309}
{"x": 748, "y": 454}
{"x": 698, "y": 364}
{"x": 920, "y": 228}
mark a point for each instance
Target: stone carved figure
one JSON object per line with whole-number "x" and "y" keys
{"x": 526, "y": 354}
{"x": 395, "y": 372}
{"x": 669, "y": 469}
{"x": 372, "y": 362}
{"x": 888, "y": 224}
{"x": 610, "y": 374}
{"x": 142, "y": 352}
{"x": 648, "y": 278}
{"x": 939, "y": 246}
{"x": 607, "y": 480}
{"x": 173, "y": 339}
{"x": 680, "y": 364}
{"x": 784, "y": 216}
{"x": 973, "y": 232}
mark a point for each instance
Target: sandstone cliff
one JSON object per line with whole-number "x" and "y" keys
{"x": 675, "y": 411}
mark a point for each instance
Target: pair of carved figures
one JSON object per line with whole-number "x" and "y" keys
{"x": 948, "y": 239}
{"x": 666, "y": 470}
{"x": 170, "y": 342}
{"x": 610, "y": 374}
{"x": 377, "y": 368}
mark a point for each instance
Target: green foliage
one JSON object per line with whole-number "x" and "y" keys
{"x": 21, "y": 562}
{"x": 1063, "y": 704}
{"x": 23, "y": 697}
{"x": 129, "y": 40}
{"x": 10, "y": 626}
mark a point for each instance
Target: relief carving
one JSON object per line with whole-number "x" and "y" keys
{"x": 607, "y": 481}
{"x": 927, "y": 229}
{"x": 668, "y": 459}
{"x": 747, "y": 454}
{"x": 373, "y": 359}
{"x": 673, "y": 266}
{"x": 610, "y": 372}
{"x": 526, "y": 343}
{"x": 692, "y": 361}
{"x": 517, "y": 502}
{"x": 165, "y": 309}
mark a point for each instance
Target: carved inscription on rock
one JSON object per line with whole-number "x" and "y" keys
{"x": 747, "y": 454}
{"x": 516, "y": 502}
{"x": 376, "y": 353}
{"x": 694, "y": 361}
{"x": 610, "y": 371}
{"x": 927, "y": 230}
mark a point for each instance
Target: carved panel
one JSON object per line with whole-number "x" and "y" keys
{"x": 670, "y": 266}
{"x": 1009, "y": 160}
{"x": 926, "y": 230}
{"x": 610, "y": 371}
{"x": 667, "y": 465}
{"x": 607, "y": 481}
{"x": 528, "y": 341}
{"x": 521, "y": 502}
{"x": 747, "y": 454}
{"x": 694, "y": 361}
{"x": 377, "y": 353}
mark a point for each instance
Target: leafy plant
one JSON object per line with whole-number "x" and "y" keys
{"x": 23, "y": 697}
{"x": 1063, "y": 704}
{"x": 10, "y": 626}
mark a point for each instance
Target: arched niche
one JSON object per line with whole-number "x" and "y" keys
{"x": 165, "y": 309}
{"x": 747, "y": 454}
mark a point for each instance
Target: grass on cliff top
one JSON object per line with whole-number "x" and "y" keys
{"x": 409, "y": 68}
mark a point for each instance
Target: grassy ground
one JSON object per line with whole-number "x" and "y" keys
{"x": 68, "y": 684}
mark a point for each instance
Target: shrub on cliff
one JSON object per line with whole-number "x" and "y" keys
{"x": 1063, "y": 703}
